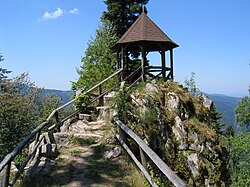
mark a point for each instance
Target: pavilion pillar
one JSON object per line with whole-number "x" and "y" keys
{"x": 143, "y": 61}
{"x": 163, "y": 64}
{"x": 122, "y": 64}
{"x": 117, "y": 61}
{"x": 127, "y": 61}
{"x": 171, "y": 65}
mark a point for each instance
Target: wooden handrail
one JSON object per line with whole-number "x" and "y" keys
{"x": 105, "y": 80}
{"x": 91, "y": 89}
{"x": 176, "y": 181}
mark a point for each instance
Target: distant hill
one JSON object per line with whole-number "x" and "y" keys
{"x": 65, "y": 95}
{"x": 226, "y": 105}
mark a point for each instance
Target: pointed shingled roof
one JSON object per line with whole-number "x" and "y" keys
{"x": 145, "y": 30}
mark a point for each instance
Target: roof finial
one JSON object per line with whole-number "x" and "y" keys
{"x": 143, "y": 8}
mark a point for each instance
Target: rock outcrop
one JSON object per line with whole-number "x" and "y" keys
{"x": 181, "y": 128}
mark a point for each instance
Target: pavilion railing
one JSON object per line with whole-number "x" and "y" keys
{"x": 156, "y": 71}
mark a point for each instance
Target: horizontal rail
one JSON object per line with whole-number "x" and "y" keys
{"x": 105, "y": 80}
{"x": 176, "y": 181}
{"x": 153, "y": 67}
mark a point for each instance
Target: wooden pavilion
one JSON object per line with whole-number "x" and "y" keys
{"x": 145, "y": 36}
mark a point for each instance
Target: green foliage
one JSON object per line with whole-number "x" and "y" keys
{"x": 46, "y": 105}
{"x": 238, "y": 147}
{"x": 121, "y": 105}
{"x": 99, "y": 61}
{"x": 243, "y": 111}
{"x": 83, "y": 141}
{"x": 229, "y": 131}
{"x": 82, "y": 101}
{"x": 3, "y": 72}
{"x": 21, "y": 109}
{"x": 191, "y": 84}
{"x": 123, "y": 13}
{"x": 17, "y": 111}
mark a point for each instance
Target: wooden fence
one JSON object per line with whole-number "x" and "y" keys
{"x": 144, "y": 149}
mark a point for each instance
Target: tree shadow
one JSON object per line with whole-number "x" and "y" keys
{"x": 91, "y": 170}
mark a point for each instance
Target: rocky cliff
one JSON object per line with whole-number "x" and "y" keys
{"x": 181, "y": 128}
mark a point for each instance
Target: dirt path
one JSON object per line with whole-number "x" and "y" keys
{"x": 82, "y": 164}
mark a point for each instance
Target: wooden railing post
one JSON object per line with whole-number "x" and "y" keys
{"x": 143, "y": 159}
{"x": 36, "y": 141}
{"x": 7, "y": 174}
{"x": 101, "y": 98}
{"x": 57, "y": 121}
{"x": 123, "y": 135}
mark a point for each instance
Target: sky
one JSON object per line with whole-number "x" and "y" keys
{"x": 47, "y": 38}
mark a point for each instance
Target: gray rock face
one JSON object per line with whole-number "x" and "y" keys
{"x": 62, "y": 138}
{"x": 206, "y": 101}
{"x": 193, "y": 160}
{"x": 48, "y": 150}
{"x": 42, "y": 162}
{"x": 113, "y": 153}
{"x": 65, "y": 126}
{"x": 173, "y": 101}
{"x": 39, "y": 167}
{"x": 150, "y": 88}
{"x": 13, "y": 171}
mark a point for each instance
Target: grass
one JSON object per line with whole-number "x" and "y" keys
{"x": 83, "y": 141}
{"x": 113, "y": 172}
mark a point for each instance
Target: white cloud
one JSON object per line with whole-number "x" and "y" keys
{"x": 52, "y": 15}
{"x": 57, "y": 13}
{"x": 74, "y": 11}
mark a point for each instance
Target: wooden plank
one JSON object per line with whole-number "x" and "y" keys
{"x": 139, "y": 165}
{"x": 171, "y": 64}
{"x": 7, "y": 175}
{"x": 154, "y": 157}
{"x": 143, "y": 158}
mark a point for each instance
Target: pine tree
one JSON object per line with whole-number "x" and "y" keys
{"x": 122, "y": 14}
{"x": 3, "y": 72}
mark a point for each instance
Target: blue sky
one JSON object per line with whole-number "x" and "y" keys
{"x": 47, "y": 39}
